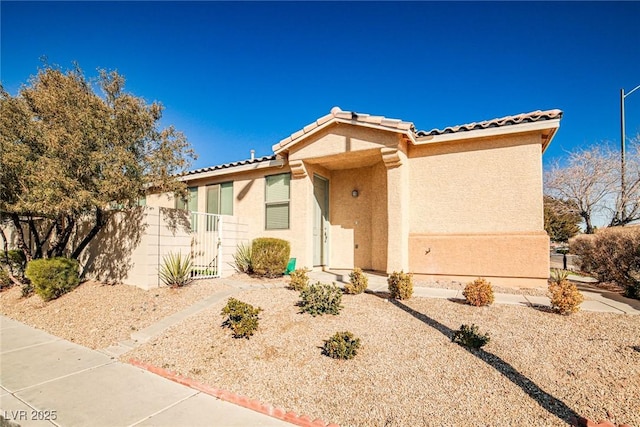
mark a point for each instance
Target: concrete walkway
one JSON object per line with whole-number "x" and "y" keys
{"x": 46, "y": 381}
{"x": 144, "y": 335}
{"x": 596, "y": 300}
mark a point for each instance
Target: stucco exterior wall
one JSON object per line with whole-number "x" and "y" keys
{"x": 479, "y": 186}
{"x": 351, "y": 218}
{"x": 476, "y": 210}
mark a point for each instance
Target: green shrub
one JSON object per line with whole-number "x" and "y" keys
{"x": 469, "y": 336}
{"x": 612, "y": 255}
{"x": 400, "y": 285}
{"x": 242, "y": 259}
{"x": 242, "y": 318}
{"x": 14, "y": 260}
{"x": 269, "y": 256}
{"x": 26, "y": 289}
{"x": 343, "y": 345}
{"x": 175, "y": 270}
{"x": 565, "y": 296}
{"x": 299, "y": 279}
{"x": 5, "y": 280}
{"x": 53, "y": 277}
{"x": 478, "y": 293}
{"x": 358, "y": 282}
{"x": 320, "y": 298}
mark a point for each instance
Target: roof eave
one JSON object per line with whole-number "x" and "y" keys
{"x": 278, "y": 162}
{"x": 539, "y": 126}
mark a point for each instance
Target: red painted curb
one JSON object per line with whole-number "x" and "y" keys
{"x": 245, "y": 402}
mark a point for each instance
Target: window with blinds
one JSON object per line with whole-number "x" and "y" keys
{"x": 277, "y": 195}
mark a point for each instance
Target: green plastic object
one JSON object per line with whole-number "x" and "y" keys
{"x": 290, "y": 266}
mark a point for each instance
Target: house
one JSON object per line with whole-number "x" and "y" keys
{"x": 355, "y": 190}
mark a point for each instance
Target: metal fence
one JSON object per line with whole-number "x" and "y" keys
{"x": 206, "y": 245}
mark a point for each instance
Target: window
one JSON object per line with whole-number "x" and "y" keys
{"x": 219, "y": 202}
{"x": 277, "y": 194}
{"x": 191, "y": 203}
{"x": 220, "y": 199}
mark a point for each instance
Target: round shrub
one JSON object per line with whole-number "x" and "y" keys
{"x": 5, "y": 280}
{"x": 468, "y": 336}
{"x": 299, "y": 279}
{"x": 320, "y": 298}
{"x": 358, "y": 282}
{"x": 343, "y": 345}
{"x": 14, "y": 261}
{"x": 400, "y": 285}
{"x": 478, "y": 293}
{"x": 565, "y": 297}
{"x": 269, "y": 256}
{"x": 242, "y": 318}
{"x": 53, "y": 277}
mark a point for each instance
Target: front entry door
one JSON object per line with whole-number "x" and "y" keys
{"x": 320, "y": 220}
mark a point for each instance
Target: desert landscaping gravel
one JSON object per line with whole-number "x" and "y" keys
{"x": 97, "y": 315}
{"x": 540, "y": 368}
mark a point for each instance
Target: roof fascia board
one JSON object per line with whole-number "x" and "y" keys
{"x": 553, "y": 124}
{"x": 233, "y": 169}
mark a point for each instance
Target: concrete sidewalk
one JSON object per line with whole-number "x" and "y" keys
{"x": 46, "y": 381}
{"x": 596, "y": 300}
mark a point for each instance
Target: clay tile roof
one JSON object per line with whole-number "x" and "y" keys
{"x": 337, "y": 113}
{"x": 230, "y": 165}
{"x": 534, "y": 116}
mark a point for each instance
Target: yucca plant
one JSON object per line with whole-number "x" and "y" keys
{"x": 175, "y": 271}
{"x": 242, "y": 258}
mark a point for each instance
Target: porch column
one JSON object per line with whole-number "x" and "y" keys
{"x": 397, "y": 209}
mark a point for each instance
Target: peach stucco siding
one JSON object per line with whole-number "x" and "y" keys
{"x": 478, "y": 210}
{"x": 450, "y": 206}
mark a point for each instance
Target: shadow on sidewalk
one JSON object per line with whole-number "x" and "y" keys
{"x": 550, "y": 403}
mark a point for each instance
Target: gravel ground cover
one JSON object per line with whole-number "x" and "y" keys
{"x": 539, "y": 368}
{"x": 459, "y": 286}
{"x": 97, "y": 315}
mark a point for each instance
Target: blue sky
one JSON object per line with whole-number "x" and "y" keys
{"x": 236, "y": 76}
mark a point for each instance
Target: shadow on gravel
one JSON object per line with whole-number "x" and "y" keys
{"x": 544, "y": 399}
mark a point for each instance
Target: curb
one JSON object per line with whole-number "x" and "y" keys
{"x": 227, "y": 396}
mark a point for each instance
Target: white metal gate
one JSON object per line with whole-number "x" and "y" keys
{"x": 206, "y": 245}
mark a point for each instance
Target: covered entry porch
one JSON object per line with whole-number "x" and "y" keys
{"x": 354, "y": 202}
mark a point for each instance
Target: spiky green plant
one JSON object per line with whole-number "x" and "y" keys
{"x": 558, "y": 275}
{"x": 242, "y": 258}
{"x": 175, "y": 270}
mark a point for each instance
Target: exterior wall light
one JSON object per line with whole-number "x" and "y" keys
{"x": 355, "y": 193}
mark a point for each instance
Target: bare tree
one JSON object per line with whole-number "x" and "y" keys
{"x": 587, "y": 182}
{"x": 627, "y": 202}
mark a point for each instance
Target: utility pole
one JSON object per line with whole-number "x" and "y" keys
{"x": 623, "y": 186}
